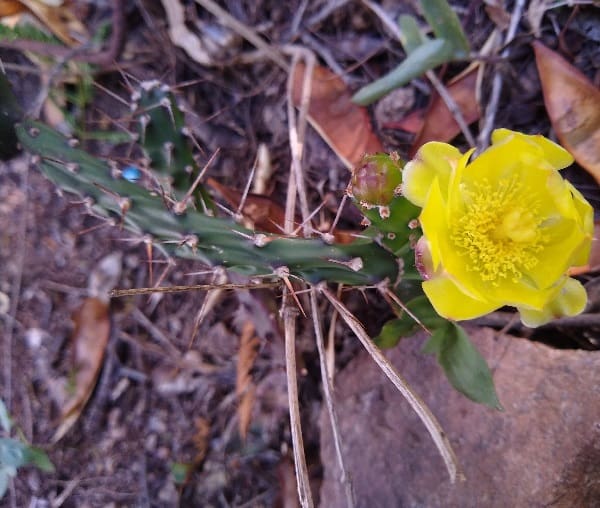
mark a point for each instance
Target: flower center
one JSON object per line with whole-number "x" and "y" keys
{"x": 499, "y": 232}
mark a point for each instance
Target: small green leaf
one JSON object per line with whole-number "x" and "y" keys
{"x": 395, "y": 329}
{"x": 4, "y": 417}
{"x": 12, "y": 452}
{"x": 425, "y": 57}
{"x": 410, "y": 35}
{"x": 464, "y": 366}
{"x": 38, "y": 458}
{"x": 446, "y": 25}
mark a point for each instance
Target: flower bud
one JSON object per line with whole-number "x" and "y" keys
{"x": 375, "y": 182}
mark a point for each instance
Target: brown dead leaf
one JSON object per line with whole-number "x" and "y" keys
{"x": 412, "y": 123}
{"x": 264, "y": 213}
{"x": 573, "y": 105}
{"x": 88, "y": 342}
{"x": 244, "y": 386}
{"x": 10, "y": 8}
{"x": 439, "y": 123}
{"x": 345, "y": 126}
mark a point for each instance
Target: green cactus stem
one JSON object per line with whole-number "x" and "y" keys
{"x": 164, "y": 138}
{"x": 193, "y": 234}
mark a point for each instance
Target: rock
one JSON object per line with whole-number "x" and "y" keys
{"x": 542, "y": 450}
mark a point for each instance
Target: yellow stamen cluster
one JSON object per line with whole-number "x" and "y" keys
{"x": 498, "y": 233}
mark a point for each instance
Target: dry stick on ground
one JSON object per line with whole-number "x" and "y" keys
{"x": 295, "y": 185}
{"x": 490, "y": 112}
{"x": 326, "y": 376}
{"x": 418, "y": 406}
{"x": 435, "y": 81}
{"x": 297, "y": 132}
{"x": 246, "y": 32}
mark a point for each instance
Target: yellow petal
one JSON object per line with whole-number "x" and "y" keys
{"x": 555, "y": 154}
{"x": 564, "y": 240}
{"x": 570, "y": 301}
{"x": 433, "y": 160}
{"x": 451, "y": 302}
{"x": 433, "y": 222}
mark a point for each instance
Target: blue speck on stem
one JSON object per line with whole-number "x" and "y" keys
{"x": 131, "y": 173}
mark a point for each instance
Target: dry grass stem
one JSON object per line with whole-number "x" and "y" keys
{"x": 430, "y": 422}
{"x": 326, "y": 377}
{"x": 11, "y": 322}
{"x": 302, "y": 478}
{"x": 297, "y": 130}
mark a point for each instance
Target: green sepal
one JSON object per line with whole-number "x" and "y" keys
{"x": 396, "y": 229}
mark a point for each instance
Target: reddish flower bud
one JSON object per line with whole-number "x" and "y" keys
{"x": 375, "y": 182}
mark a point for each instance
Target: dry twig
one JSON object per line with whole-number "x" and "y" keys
{"x": 430, "y": 422}
{"x": 490, "y": 113}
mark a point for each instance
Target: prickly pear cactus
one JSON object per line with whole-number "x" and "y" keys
{"x": 190, "y": 233}
{"x": 164, "y": 213}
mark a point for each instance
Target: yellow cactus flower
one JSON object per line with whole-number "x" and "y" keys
{"x": 502, "y": 229}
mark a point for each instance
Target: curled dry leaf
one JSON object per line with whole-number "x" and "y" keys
{"x": 345, "y": 126}
{"x": 573, "y": 105}
{"x": 201, "y": 439}
{"x": 89, "y": 340}
{"x": 264, "y": 213}
{"x": 182, "y": 36}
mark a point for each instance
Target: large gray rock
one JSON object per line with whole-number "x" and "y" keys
{"x": 542, "y": 450}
